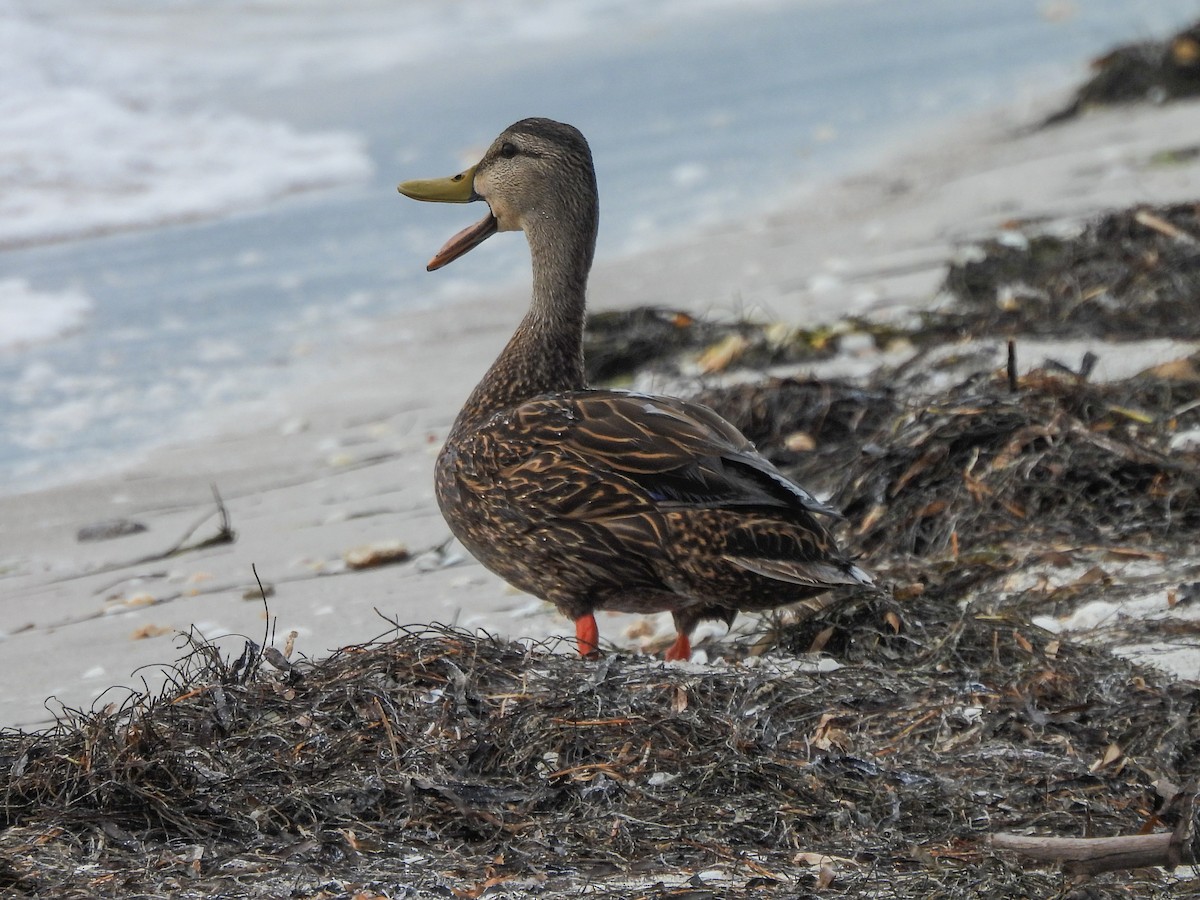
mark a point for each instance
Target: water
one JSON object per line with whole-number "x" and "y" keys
{"x": 154, "y": 114}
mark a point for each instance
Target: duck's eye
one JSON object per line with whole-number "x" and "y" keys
{"x": 508, "y": 150}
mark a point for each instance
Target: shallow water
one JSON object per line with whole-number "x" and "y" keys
{"x": 146, "y": 337}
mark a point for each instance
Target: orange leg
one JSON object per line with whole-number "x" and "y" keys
{"x": 587, "y": 637}
{"x": 681, "y": 649}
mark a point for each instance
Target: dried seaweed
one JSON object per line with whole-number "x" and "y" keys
{"x": 1130, "y": 274}
{"x": 619, "y": 343}
{"x": 1061, "y": 461}
{"x": 444, "y": 762}
{"x": 808, "y": 427}
{"x": 1147, "y": 71}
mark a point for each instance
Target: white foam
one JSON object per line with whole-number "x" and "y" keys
{"x": 94, "y": 141}
{"x": 28, "y": 316}
{"x": 109, "y": 117}
{"x": 278, "y": 43}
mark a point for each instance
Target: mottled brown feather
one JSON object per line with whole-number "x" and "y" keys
{"x": 597, "y": 499}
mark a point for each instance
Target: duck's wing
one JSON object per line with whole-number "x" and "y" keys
{"x": 599, "y": 454}
{"x": 634, "y": 480}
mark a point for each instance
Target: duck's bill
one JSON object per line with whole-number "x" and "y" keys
{"x": 470, "y": 237}
{"x": 459, "y": 188}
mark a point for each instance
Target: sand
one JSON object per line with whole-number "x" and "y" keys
{"x": 350, "y": 464}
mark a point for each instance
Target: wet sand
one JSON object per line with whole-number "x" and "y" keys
{"x": 349, "y": 463}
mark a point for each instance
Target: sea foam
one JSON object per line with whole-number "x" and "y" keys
{"x": 28, "y": 316}
{"x": 95, "y": 141}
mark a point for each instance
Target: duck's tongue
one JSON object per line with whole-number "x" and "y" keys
{"x": 470, "y": 237}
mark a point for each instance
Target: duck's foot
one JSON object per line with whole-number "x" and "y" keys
{"x": 587, "y": 637}
{"x": 681, "y": 649}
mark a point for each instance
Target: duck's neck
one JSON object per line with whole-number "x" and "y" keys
{"x": 545, "y": 354}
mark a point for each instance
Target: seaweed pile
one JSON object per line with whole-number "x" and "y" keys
{"x": 621, "y": 343}
{"x": 442, "y": 763}
{"x": 1130, "y": 274}
{"x": 1154, "y": 71}
{"x": 959, "y": 492}
{"x": 1133, "y": 273}
{"x": 808, "y": 427}
{"x": 1060, "y": 461}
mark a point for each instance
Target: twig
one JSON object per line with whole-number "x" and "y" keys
{"x": 268, "y": 624}
{"x": 1162, "y": 226}
{"x": 225, "y": 535}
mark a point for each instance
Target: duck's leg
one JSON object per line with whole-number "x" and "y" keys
{"x": 685, "y": 621}
{"x": 587, "y": 636}
{"x": 681, "y": 649}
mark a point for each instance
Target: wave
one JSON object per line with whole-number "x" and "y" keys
{"x": 28, "y": 316}
{"x": 93, "y": 141}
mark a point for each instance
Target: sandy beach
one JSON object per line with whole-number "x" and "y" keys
{"x": 347, "y": 462}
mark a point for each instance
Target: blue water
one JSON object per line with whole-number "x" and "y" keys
{"x": 714, "y": 119}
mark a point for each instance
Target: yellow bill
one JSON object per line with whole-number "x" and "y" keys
{"x": 459, "y": 188}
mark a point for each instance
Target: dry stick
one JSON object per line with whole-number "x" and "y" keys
{"x": 268, "y": 623}
{"x": 1090, "y": 856}
{"x": 1162, "y": 226}
{"x": 225, "y": 535}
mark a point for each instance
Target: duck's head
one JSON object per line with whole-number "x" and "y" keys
{"x": 537, "y": 174}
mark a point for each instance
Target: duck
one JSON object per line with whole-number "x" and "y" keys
{"x": 596, "y": 499}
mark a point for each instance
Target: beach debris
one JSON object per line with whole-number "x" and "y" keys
{"x": 380, "y": 553}
{"x": 721, "y": 355}
{"x": 278, "y": 660}
{"x": 418, "y": 762}
{"x": 1129, "y": 274}
{"x": 1142, "y": 72}
{"x": 810, "y": 428}
{"x": 141, "y": 598}
{"x": 444, "y": 555}
{"x": 260, "y": 591}
{"x": 619, "y": 343}
{"x": 1093, "y": 855}
{"x": 223, "y": 535}
{"x": 108, "y": 530}
{"x": 800, "y": 442}
{"x": 1062, "y": 460}
{"x": 150, "y": 631}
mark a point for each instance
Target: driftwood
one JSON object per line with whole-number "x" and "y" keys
{"x": 1091, "y": 856}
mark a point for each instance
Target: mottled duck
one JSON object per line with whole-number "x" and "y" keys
{"x": 600, "y": 499}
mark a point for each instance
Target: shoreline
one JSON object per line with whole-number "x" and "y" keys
{"x": 188, "y": 320}
{"x": 351, "y": 464}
